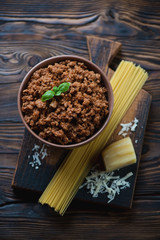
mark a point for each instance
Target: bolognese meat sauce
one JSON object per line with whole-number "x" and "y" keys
{"x": 73, "y": 116}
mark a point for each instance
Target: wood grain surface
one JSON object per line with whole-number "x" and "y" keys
{"x": 34, "y": 30}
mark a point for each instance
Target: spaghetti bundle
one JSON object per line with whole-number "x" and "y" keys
{"x": 126, "y": 83}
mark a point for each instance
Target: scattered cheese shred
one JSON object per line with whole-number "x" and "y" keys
{"x": 37, "y": 156}
{"x": 128, "y": 126}
{"x": 99, "y": 182}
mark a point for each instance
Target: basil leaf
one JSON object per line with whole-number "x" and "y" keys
{"x": 63, "y": 87}
{"x": 55, "y": 88}
{"x": 47, "y": 95}
{"x": 58, "y": 93}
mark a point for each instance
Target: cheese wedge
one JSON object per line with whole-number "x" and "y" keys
{"x": 119, "y": 154}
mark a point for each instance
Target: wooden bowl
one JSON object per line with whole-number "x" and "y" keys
{"x": 52, "y": 60}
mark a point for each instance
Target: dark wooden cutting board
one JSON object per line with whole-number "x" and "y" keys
{"x": 32, "y": 177}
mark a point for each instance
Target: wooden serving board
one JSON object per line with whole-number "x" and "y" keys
{"x": 28, "y": 177}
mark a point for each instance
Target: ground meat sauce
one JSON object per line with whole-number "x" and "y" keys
{"x": 73, "y": 116}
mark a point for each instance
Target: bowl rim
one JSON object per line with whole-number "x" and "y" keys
{"x": 45, "y": 63}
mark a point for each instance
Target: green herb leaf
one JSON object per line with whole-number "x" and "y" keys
{"x": 63, "y": 87}
{"x": 47, "y": 95}
{"x": 55, "y": 88}
{"x": 58, "y": 93}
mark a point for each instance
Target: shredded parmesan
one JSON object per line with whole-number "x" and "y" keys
{"x": 102, "y": 182}
{"x": 43, "y": 152}
{"x": 38, "y": 155}
{"x": 36, "y": 147}
{"x": 128, "y": 126}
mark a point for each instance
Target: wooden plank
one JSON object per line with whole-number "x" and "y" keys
{"x": 11, "y": 135}
{"x": 102, "y": 51}
{"x": 82, "y": 221}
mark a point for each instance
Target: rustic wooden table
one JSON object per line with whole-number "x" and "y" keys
{"x": 34, "y": 30}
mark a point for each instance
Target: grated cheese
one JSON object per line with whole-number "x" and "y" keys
{"x": 128, "y": 126}
{"x": 37, "y": 156}
{"x": 36, "y": 147}
{"x": 43, "y": 152}
{"x": 100, "y": 182}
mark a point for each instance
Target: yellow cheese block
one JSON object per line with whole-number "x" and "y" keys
{"x": 119, "y": 154}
